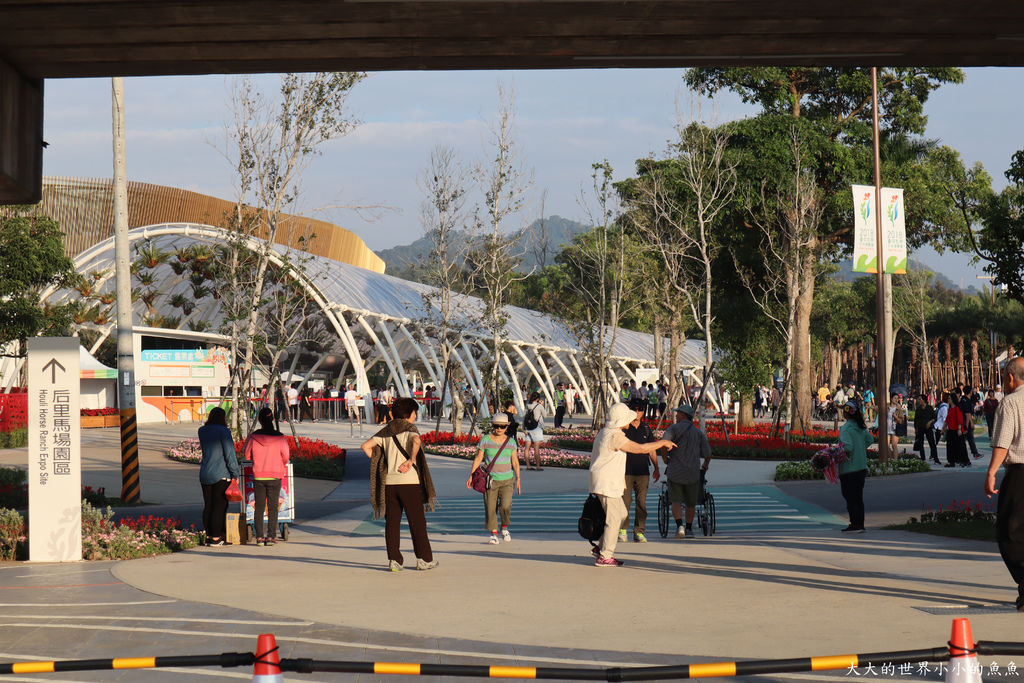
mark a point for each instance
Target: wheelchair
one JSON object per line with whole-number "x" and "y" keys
{"x": 705, "y": 512}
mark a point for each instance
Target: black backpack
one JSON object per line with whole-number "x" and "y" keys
{"x": 591, "y": 523}
{"x": 530, "y": 420}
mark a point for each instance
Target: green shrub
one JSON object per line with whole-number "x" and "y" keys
{"x": 17, "y": 438}
{"x": 13, "y": 475}
{"x": 13, "y": 536}
{"x": 802, "y": 470}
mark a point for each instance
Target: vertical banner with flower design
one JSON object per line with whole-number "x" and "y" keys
{"x": 894, "y": 233}
{"x": 865, "y": 259}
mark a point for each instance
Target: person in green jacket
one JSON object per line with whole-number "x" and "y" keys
{"x": 855, "y": 437}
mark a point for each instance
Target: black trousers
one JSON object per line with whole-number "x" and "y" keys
{"x": 559, "y": 415}
{"x": 1010, "y": 525}
{"x": 919, "y": 439}
{"x": 215, "y": 506}
{"x": 852, "y": 486}
{"x": 407, "y": 497}
{"x": 266, "y": 495}
{"x": 956, "y": 449}
{"x": 969, "y": 438}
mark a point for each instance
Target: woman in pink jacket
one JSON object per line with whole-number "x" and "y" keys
{"x": 268, "y": 450}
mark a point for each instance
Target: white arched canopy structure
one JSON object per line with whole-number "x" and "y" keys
{"x": 376, "y": 317}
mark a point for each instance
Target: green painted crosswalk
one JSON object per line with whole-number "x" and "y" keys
{"x": 740, "y": 511}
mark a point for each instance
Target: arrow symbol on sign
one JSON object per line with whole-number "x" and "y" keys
{"x": 53, "y": 365}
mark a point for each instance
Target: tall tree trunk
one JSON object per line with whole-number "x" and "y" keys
{"x": 975, "y": 374}
{"x": 800, "y": 415}
{"x": 947, "y": 364}
{"x": 915, "y": 369}
{"x": 746, "y": 414}
{"x": 861, "y": 365}
{"x": 960, "y": 367}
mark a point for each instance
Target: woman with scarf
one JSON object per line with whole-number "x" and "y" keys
{"x": 400, "y": 480}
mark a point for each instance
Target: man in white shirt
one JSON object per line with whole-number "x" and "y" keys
{"x": 350, "y": 405}
{"x": 293, "y": 402}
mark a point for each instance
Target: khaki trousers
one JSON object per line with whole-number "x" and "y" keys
{"x": 614, "y": 513}
{"x": 636, "y": 484}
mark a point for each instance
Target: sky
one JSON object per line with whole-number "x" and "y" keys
{"x": 565, "y": 121}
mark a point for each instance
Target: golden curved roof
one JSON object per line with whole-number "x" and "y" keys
{"x": 83, "y": 207}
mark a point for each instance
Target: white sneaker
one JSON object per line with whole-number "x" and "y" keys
{"x": 423, "y": 565}
{"x": 394, "y": 566}
{"x": 494, "y": 539}
{"x": 506, "y": 536}
{"x": 681, "y": 532}
{"x": 622, "y": 535}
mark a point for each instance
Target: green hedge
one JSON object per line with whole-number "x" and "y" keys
{"x": 17, "y": 438}
{"x": 802, "y": 470}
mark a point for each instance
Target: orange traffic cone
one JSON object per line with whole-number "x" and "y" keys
{"x": 268, "y": 661}
{"x": 963, "y": 661}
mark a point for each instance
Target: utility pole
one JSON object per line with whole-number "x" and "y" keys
{"x": 131, "y": 490}
{"x": 881, "y": 352}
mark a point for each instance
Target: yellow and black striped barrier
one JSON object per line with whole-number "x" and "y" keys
{"x": 644, "y": 673}
{"x": 226, "y": 660}
{"x": 649, "y": 673}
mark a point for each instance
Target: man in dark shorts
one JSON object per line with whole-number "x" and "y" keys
{"x": 684, "y": 467}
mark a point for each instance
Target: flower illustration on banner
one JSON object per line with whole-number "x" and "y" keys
{"x": 865, "y": 206}
{"x": 893, "y": 210}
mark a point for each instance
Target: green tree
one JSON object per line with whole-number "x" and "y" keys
{"x": 832, "y": 106}
{"x": 32, "y": 258}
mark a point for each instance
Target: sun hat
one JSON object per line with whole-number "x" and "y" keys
{"x": 852, "y": 406}
{"x": 620, "y": 415}
{"x": 683, "y": 408}
{"x": 499, "y": 419}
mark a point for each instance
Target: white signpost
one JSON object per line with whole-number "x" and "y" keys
{"x": 54, "y": 451}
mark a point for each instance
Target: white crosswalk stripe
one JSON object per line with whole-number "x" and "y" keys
{"x": 739, "y": 510}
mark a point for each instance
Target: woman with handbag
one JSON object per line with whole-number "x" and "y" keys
{"x": 219, "y": 468}
{"x": 400, "y": 481}
{"x": 268, "y": 450}
{"x": 497, "y": 477}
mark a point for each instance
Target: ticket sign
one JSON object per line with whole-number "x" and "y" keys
{"x": 54, "y": 453}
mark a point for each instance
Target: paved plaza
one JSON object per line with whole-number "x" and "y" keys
{"x": 778, "y": 580}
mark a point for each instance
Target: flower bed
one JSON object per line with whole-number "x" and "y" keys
{"x": 962, "y": 519}
{"x": 130, "y": 538}
{"x": 803, "y": 470}
{"x": 448, "y": 438}
{"x": 99, "y": 411}
{"x": 312, "y": 458}
{"x": 104, "y": 539}
{"x": 549, "y": 457}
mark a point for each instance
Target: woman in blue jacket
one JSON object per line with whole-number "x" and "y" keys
{"x": 855, "y": 437}
{"x": 219, "y": 467}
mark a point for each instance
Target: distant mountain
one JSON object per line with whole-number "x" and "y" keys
{"x": 846, "y": 274}
{"x": 539, "y": 244}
